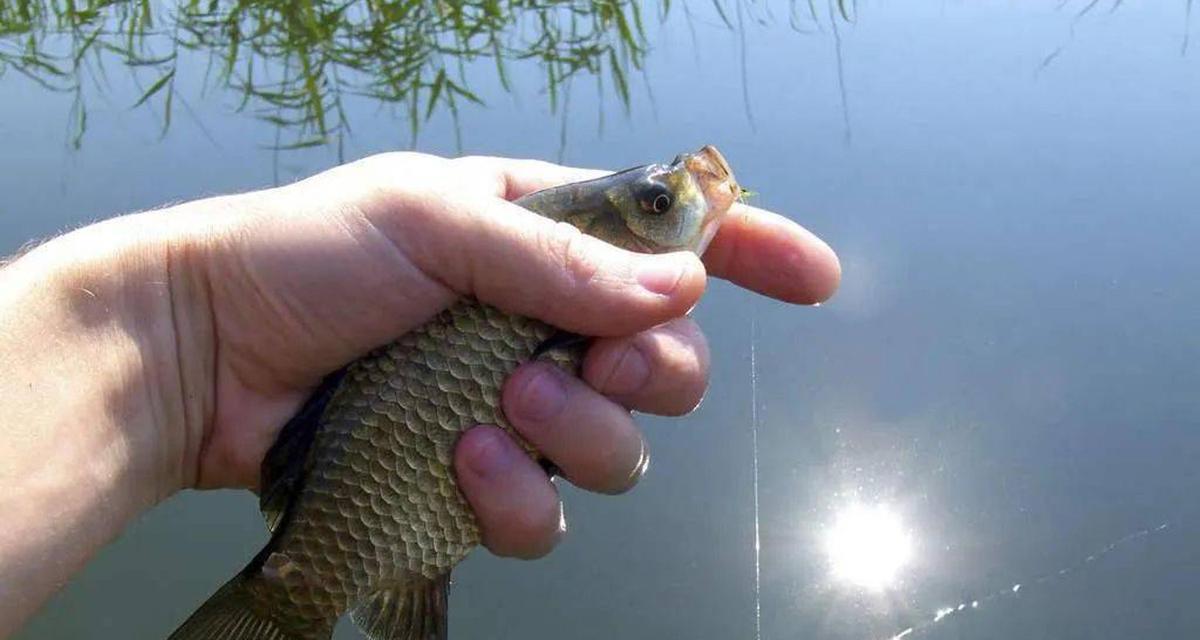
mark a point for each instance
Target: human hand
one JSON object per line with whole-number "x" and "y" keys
{"x": 236, "y": 306}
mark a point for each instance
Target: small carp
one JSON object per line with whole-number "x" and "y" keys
{"x": 358, "y": 489}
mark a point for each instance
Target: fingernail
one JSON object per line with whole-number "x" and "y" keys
{"x": 639, "y": 470}
{"x": 642, "y": 465}
{"x": 661, "y": 275}
{"x": 543, "y": 395}
{"x": 631, "y": 373}
{"x": 491, "y": 456}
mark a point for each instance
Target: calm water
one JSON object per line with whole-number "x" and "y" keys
{"x": 1010, "y": 367}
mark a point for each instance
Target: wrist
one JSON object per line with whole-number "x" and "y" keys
{"x": 91, "y": 325}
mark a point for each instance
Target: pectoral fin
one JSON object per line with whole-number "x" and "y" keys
{"x": 283, "y": 467}
{"x": 564, "y": 349}
{"x": 561, "y": 343}
{"x": 415, "y": 610}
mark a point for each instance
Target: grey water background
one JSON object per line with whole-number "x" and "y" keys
{"x": 1011, "y": 361}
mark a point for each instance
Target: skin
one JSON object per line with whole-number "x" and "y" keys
{"x": 163, "y": 351}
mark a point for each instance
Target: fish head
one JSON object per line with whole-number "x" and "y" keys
{"x": 676, "y": 206}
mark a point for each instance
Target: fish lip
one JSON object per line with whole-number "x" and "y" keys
{"x": 714, "y": 177}
{"x": 719, "y": 164}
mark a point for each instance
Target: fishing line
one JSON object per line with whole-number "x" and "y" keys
{"x": 754, "y": 448}
{"x": 1021, "y": 587}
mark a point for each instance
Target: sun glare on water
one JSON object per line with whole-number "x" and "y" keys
{"x": 867, "y": 546}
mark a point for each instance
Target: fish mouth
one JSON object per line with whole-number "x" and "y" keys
{"x": 714, "y": 177}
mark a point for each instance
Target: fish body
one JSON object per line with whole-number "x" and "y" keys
{"x": 359, "y": 489}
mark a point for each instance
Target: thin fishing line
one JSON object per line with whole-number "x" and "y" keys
{"x": 1018, "y": 588}
{"x": 754, "y": 448}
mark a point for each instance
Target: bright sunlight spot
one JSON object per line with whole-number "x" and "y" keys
{"x": 867, "y": 546}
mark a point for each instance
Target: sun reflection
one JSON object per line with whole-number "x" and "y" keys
{"x": 867, "y": 546}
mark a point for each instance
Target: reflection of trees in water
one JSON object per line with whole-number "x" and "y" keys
{"x": 294, "y": 63}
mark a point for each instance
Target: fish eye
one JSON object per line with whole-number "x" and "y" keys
{"x": 661, "y": 203}
{"x": 656, "y": 199}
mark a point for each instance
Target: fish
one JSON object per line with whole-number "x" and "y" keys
{"x": 358, "y": 489}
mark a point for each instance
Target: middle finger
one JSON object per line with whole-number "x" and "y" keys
{"x": 663, "y": 370}
{"x": 592, "y": 440}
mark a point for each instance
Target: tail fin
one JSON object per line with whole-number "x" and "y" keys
{"x": 230, "y": 615}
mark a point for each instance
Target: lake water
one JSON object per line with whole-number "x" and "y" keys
{"x": 1008, "y": 378}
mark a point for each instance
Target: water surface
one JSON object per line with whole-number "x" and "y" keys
{"x": 1010, "y": 366}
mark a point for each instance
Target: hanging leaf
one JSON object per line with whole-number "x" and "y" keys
{"x": 155, "y": 88}
{"x": 439, "y": 82}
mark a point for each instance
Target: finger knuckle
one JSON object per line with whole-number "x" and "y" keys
{"x": 602, "y": 368}
{"x": 567, "y": 250}
{"x": 475, "y": 162}
{"x": 388, "y": 161}
{"x": 681, "y": 364}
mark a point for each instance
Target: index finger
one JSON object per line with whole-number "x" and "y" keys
{"x": 516, "y": 177}
{"x": 754, "y": 248}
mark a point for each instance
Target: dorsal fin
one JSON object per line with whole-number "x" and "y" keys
{"x": 415, "y": 610}
{"x": 283, "y": 467}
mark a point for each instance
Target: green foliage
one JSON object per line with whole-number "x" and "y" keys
{"x": 293, "y": 62}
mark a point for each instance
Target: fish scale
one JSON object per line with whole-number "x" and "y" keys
{"x": 399, "y": 415}
{"x": 365, "y": 511}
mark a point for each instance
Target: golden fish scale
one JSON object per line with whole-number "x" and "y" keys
{"x": 380, "y": 505}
